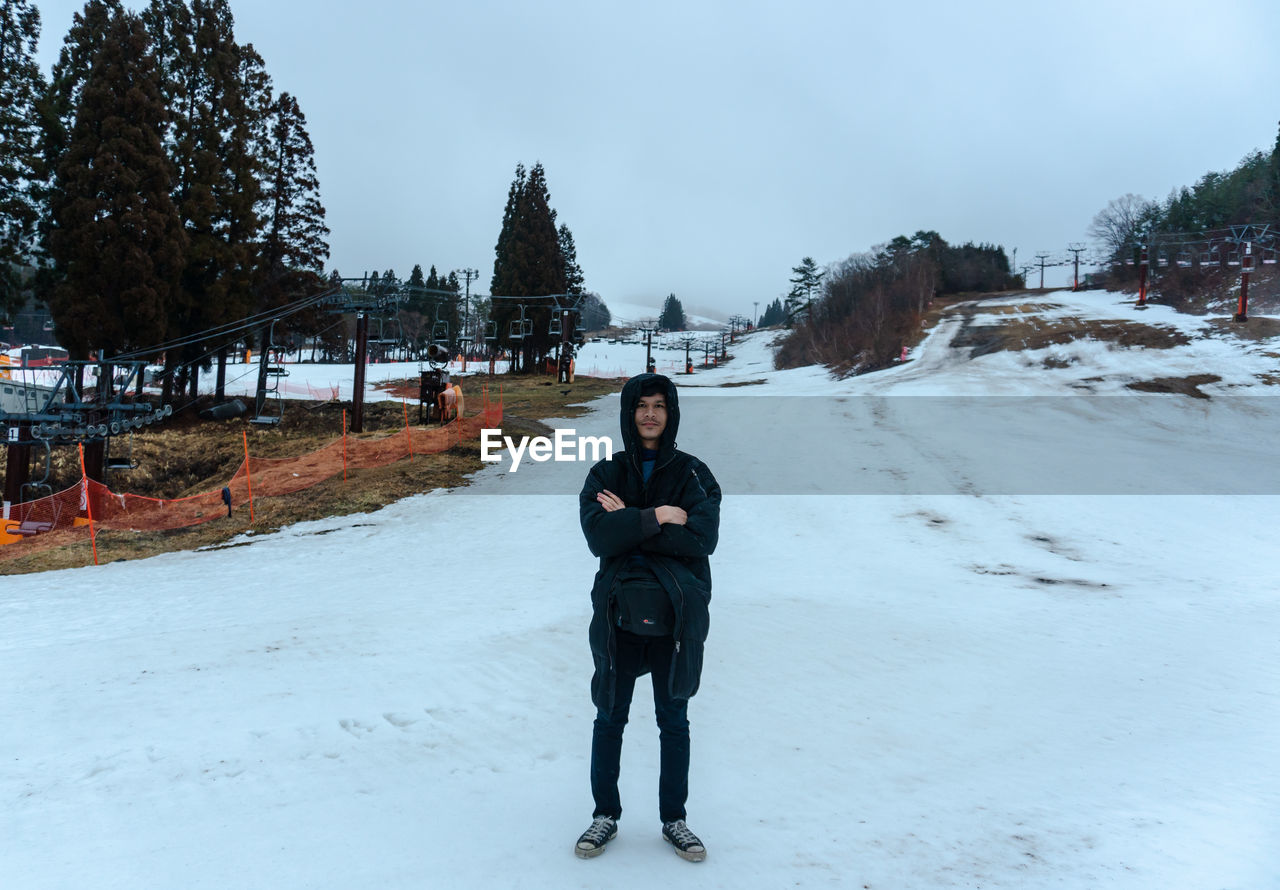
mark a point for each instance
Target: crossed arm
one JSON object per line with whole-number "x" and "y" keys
{"x": 664, "y": 514}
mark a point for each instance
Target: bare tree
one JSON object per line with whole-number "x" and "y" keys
{"x": 1119, "y": 225}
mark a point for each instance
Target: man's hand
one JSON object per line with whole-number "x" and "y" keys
{"x": 675, "y": 515}
{"x": 610, "y": 501}
{"x": 663, "y": 514}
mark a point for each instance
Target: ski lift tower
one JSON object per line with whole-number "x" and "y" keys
{"x": 55, "y": 414}
{"x": 355, "y": 296}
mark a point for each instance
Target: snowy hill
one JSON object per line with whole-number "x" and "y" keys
{"x": 938, "y": 678}
{"x": 625, "y": 314}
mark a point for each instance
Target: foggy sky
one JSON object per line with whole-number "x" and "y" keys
{"x": 704, "y": 148}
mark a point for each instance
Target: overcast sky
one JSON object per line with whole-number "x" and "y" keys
{"x": 704, "y": 148}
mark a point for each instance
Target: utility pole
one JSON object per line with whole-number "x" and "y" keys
{"x": 755, "y": 314}
{"x": 469, "y": 275}
{"x": 1076, "y": 248}
{"x": 1042, "y": 257}
{"x": 1142, "y": 280}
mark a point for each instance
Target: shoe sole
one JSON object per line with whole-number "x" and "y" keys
{"x": 592, "y": 852}
{"x": 687, "y": 855}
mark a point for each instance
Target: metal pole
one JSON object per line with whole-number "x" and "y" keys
{"x": 357, "y": 397}
{"x": 1246, "y": 266}
{"x": 1142, "y": 280}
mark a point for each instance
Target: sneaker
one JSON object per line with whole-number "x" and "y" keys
{"x": 685, "y": 841}
{"x": 603, "y": 829}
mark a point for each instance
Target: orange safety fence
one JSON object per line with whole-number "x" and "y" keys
{"x": 316, "y": 394}
{"x": 69, "y": 510}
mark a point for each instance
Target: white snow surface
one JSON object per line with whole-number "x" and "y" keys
{"x": 900, "y": 691}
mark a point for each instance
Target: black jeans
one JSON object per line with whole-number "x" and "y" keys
{"x": 633, "y": 654}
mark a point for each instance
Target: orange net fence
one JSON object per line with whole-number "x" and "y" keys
{"x": 89, "y": 501}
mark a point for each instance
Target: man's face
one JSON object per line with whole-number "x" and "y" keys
{"x": 651, "y": 420}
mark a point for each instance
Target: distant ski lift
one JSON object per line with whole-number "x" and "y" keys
{"x": 440, "y": 332}
{"x": 491, "y": 331}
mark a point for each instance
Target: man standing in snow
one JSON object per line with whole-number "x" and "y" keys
{"x": 652, "y": 515}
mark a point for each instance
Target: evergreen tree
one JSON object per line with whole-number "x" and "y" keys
{"x": 672, "y": 315}
{"x": 21, "y": 88}
{"x": 773, "y": 314}
{"x": 294, "y": 242}
{"x": 528, "y": 261}
{"x": 115, "y": 230}
{"x": 57, "y": 116}
{"x": 1273, "y": 189}
{"x": 573, "y": 278}
{"x": 218, "y": 185}
{"x": 433, "y": 279}
{"x": 415, "y": 277}
{"x": 170, "y": 26}
{"x": 595, "y": 314}
{"x": 539, "y": 245}
{"x": 503, "y": 281}
{"x": 805, "y": 283}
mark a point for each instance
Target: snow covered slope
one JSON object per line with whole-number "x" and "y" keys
{"x": 902, "y": 690}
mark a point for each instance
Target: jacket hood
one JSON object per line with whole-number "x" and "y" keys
{"x": 631, "y": 398}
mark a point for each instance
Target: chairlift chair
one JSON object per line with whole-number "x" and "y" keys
{"x": 123, "y": 462}
{"x": 270, "y": 392}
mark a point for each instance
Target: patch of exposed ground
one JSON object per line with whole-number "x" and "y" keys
{"x": 187, "y": 455}
{"x": 1187, "y": 386}
{"x": 982, "y": 337}
{"x": 1256, "y": 327}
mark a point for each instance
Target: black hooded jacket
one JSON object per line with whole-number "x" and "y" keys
{"x": 677, "y": 554}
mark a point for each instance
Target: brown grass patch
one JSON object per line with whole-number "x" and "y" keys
{"x": 1187, "y": 386}
{"x": 1017, "y": 334}
{"x": 188, "y": 455}
{"x": 1256, "y": 327}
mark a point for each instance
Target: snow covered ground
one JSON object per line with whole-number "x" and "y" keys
{"x": 902, "y": 690}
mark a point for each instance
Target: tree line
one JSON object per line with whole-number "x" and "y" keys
{"x": 1247, "y": 194}
{"x": 156, "y": 185}
{"x": 858, "y": 314}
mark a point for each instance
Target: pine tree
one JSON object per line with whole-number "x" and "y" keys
{"x": 573, "y": 278}
{"x": 672, "y": 315}
{"x": 21, "y": 89}
{"x": 539, "y": 245}
{"x": 528, "y": 261}
{"x": 805, "y": 282}
{"x": 294, "y": 244}
{"x": 218, "y": 180}
{"x": 774, "y": 314}
{"x": 503, "y": 281}
{"x": 595, "y": 314}
{"x": 170, "y": 26}
{"x": 115, "y": 230}
{"x": 1273, "y": 179}
{"x": 57, "y": 116}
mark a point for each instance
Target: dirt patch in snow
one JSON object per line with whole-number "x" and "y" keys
{"x": 1257, "y": 327}
{"x": 985, "y": 332}
{"x": 1187, "y": 386}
